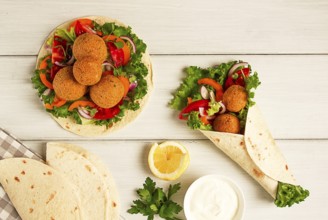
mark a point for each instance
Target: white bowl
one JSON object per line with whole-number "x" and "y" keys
{"x": 215, "y": 179}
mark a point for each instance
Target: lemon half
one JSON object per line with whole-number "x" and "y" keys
{"x": 168, "y": 160}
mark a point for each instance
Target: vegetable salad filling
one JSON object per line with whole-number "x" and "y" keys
{"x": 216, "y": 98}
{"x": 123, "y": 60}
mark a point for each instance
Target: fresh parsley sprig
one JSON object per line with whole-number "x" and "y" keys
{"x": 153, "y": 200}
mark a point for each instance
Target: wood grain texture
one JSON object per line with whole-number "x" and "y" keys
{"x": 292, "y": 97}
{"x": 127, "y": 161}
{"x": 179, "y": 26}
{"x": 286, "y": 41}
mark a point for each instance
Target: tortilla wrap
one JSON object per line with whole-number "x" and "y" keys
{"x": 38, "y": 191}
{"x": 57, "y": 152}
{"x": 256, "y": 152}
{"x": 87, "y": 129}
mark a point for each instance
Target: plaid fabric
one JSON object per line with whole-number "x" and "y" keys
{"x": 11, "y": 147}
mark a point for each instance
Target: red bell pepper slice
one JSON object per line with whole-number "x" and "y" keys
{"x": 194, "y": 106}
{"x": 58, "y": 55}
{"x": 107, "y": 113}
{"x": 117, "y": 55}
{"x": 237, "y": 78}
{"x": 82, "y": 26}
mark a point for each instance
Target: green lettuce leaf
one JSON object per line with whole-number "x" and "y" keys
{"x": 189, "y": 86}
{"x": 252, "y": 82}
{"x": 195, "y": 123}
{"x": 69, "y": 36}
{"x": 214, "y": 107}
{"x": 288, "y": 194}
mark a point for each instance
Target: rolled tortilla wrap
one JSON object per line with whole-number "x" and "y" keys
{"x": 256, "y": 152}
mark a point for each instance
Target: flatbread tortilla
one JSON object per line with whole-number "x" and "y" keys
{"x": 81, "y": 172}
{"x": 38, "y": 191}
{"x": 256, "y": 152}
{"x": 113, "y": 204}
{"x": 87, "y": 129}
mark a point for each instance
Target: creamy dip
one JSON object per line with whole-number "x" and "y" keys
{"x": 212, "y": 198}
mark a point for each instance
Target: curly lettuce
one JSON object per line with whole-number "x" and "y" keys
{"x": 189, "y": 86}
{"x": 195, "y": 123}
{"x": 288, "y": 194}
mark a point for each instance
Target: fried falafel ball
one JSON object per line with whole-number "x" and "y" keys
{"x": 90, "y": 45}
{"x": 108, "y": 92}
{"x": 235, "y": 98}
{"x": 65, "y": 85}
{"x": 226, "y": 123}
{"x": 87, "y": 71}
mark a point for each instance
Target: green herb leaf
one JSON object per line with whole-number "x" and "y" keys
{"x": 119, "y": 31}
{"x": 107, "y": 28}
{"x": 153, "y": 200}
{"x": 288, "y": 194}
{"x": 119, "y": 44}
{"x": 173, "y": 189}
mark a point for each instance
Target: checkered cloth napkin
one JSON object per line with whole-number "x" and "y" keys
{"x": 11, "y": 147}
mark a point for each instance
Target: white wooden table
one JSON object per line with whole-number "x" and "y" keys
{"x": 285, "y": 41}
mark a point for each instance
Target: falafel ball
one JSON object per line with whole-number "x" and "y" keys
{"x": 65, "y": 85}
{"x": 87, "y": 71}
{"x": 108, "y": 92}
{"x": 226, "y": 123}
{"x": 235, "y": 98}
{"x": 90, "y": 45}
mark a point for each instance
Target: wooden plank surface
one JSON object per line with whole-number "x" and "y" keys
{"x": 127, "y": 160}
{"x": 292, "y": 97}
{"x": 286, "y": 41}
{"x": 179, "y": 26}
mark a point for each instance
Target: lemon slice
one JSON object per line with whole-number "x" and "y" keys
{"x": 168, "y": 160}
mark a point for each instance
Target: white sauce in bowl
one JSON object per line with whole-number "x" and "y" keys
{"x": 213, "y": 197}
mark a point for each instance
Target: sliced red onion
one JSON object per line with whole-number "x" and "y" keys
{"x": 89, "y": 29}
{"x": 60, "y": 64}
{"x": 83, "y": 113}
{"x": 204, "y": 92}
{"x": 202, "y": 113}
{"x": 127, "y": 98}
{"x": 46, "y": 93}
{"x": 131, "y": 42}
{"x": 223, "y": 108}
{"x": 236, "y": 66}
{"x": 133, "y": 85}
{"x": 71, "y": 61}
{"x": 212, "y": 96}
{"x": 48, "y": 48}
{"x": 108, "y": 66}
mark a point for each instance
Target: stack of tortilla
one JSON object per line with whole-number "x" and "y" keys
{"x": 256, "y": 152}
{"x": 74, "y": 184}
